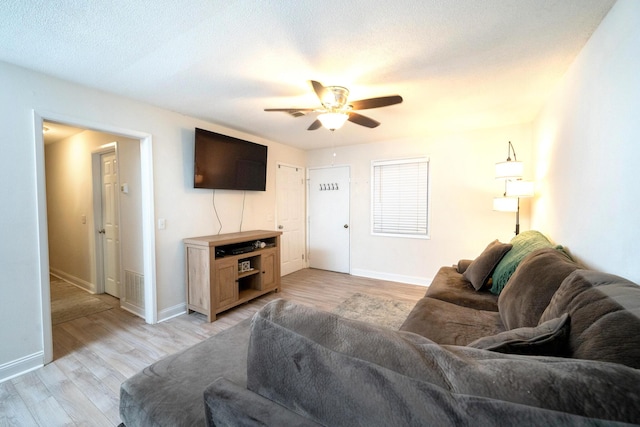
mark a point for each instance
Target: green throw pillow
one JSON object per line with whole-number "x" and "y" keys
{"x": 523, "y": 244}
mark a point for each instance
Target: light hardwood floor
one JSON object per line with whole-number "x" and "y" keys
{"x": 94, "y": 354}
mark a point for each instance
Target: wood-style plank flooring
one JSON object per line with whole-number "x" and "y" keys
{"x": 94, "y": 354}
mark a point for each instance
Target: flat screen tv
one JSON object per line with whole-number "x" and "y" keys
{"x": 226, "y": 163}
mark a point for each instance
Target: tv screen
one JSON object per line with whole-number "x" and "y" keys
{"x": 226, "y": 163}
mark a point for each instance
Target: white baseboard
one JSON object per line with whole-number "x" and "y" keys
{"x": 171, "y": 312}
{"x": 412, "y": 280}
{"x": 138, "y": 311}
{"x": 21, "y": 366}
{"x": 163, "y": 315}
{"x": 87, "y": 286}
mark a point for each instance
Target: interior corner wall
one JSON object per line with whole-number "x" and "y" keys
{"x": 462, "y": 188}
{"x": 188, "y": 211}
{"x": 587, "y": 144}
{"x": 70, "y": 216}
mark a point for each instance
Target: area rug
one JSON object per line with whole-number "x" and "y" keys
{"x": 380, "y": 311}
{"x": 69, "y": 302}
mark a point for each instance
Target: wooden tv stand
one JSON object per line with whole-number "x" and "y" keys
{"x": 215, "y": 278}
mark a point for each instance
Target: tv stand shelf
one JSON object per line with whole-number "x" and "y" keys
{"x": 218, "y": 278}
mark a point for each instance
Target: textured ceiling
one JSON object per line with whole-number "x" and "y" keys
{"x": 459, "y": 64}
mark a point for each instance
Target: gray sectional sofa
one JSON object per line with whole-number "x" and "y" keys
{"x": 521, "y": 334}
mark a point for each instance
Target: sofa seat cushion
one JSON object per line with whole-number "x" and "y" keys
{"x": 342, "y": 372}
{"x": 605, "y": 316}
{"x": 550, "y": 338}
{"x": 532, "y": 285}
{"x": 446, "y": 323}
{"x": 451, "y": 286}
{"x": 170, "y": 391}
{"x": 523, "y": 244}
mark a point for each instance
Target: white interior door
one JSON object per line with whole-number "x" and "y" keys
{"x": 329, "y": 218}
{"x": 110, "y": 232}
{"x": 290, "y": 208}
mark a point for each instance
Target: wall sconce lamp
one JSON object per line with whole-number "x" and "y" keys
{"x": 514, "y": 187}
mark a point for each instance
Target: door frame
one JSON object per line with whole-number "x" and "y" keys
{"x": 148, "y": 230}
{"x": 96, "y": 168}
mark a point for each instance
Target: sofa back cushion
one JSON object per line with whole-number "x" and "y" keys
{"x": 605, "y": 316}
{"x": 530, "y": 288}
{"x": 523, "y": 244}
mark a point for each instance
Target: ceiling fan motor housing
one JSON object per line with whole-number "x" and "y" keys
{"x": 335, "y": 97}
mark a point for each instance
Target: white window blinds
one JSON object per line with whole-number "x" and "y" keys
{"x": 400, "y": 197}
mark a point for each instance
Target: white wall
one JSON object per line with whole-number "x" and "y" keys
{"x": 462, "y": 191}
{"x": 587, "y": 145}
{"x": 131, "y": 250}
{"x": 188, "y": 211}
{"x": 70, "y": 197}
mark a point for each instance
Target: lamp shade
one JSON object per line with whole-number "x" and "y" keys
{"x": 519, "y": 188}
{"x": 505, "y": 204}
{"x": 333, "y": 121}
{"x": 509, "y": 169}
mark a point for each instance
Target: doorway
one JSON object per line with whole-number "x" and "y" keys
{"x": 147, "y": 240}
{"x": 107, "y": 213}
{"x": 290, "y": 220}
{"x": 329, "y": 232}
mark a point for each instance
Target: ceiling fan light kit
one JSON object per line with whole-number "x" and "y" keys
{"x": 336, "y": 110}
{"x": 333, "y": 121}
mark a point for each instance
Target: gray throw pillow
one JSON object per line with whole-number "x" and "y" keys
{"x": 480, "y": 269}
{"x": 547, "y": 339}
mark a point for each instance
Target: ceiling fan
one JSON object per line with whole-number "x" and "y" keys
{"x": 335, "y": 110}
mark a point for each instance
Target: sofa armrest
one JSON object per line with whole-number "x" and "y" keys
{"x": 462, "y": 265}
{"x": 342, "y": 372}
{"x": 228, "y": 404}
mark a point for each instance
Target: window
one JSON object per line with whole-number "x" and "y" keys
{"x": 400, "y": 197}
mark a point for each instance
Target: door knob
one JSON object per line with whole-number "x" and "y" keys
{"x": 346, "y": 226}
{"x": 280, "y": 227}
